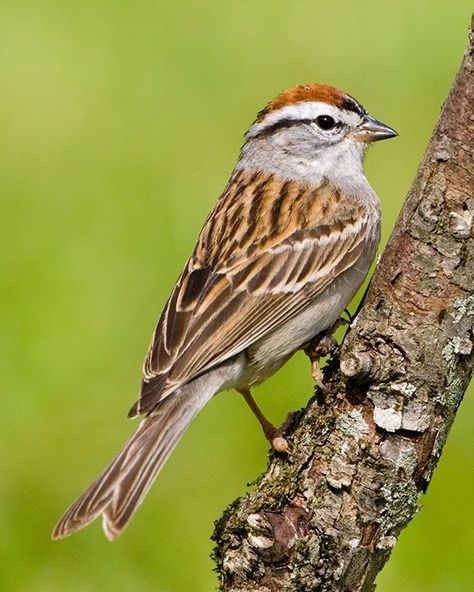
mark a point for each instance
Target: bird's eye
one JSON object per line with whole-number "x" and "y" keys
{"x": 325, "y": 122}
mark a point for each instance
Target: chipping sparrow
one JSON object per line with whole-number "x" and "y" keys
{"x": 278, "y": 259}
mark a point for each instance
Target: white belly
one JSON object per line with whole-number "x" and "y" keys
{"x": 268, "y": 354}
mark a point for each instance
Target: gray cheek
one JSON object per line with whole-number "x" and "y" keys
{"x": 303, "y": 143}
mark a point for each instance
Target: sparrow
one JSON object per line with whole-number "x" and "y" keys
{"x": 280, "y": 256}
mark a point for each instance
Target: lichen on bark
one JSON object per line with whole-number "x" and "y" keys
{"x": 326, "y": 516}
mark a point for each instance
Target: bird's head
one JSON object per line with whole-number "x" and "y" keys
{"x": 315, "y": 127}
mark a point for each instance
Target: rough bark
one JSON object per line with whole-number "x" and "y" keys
{"x": 326, "y": 516}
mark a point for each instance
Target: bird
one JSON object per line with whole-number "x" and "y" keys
{"x": 280, "y": 256}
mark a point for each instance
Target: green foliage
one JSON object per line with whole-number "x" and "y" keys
{"x": 120, "y": 123}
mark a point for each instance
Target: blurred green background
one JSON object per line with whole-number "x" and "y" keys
{"x": 120, "y": 123}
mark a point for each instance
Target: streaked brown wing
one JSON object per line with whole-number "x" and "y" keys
{"x": 265, "y": 251}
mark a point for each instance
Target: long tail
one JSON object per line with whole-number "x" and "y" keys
{"x": 120, "y": 488}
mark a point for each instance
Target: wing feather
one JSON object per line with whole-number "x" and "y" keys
{"x": 227, "y": 299}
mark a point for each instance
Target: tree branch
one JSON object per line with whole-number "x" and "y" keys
{"x": 327, "y": 516}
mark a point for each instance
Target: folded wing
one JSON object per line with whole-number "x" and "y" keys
{"x": 259, "y": 261}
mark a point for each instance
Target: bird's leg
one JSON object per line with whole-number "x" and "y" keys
{"x": 320, "y": 346}
{"x": 272, "y": 434}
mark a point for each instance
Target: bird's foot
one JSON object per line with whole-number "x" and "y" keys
{"x": 277, "y": 441}
{"x": 321, "y": 346}
{"x": 272, "y": 434}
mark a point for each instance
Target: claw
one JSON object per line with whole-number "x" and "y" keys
{"x": 318, "y": 375}
{"x": 280, "y": 444}
{"x": 320, "y": 346}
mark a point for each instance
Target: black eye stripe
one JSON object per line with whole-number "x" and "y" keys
{"x": 287, "y": 123}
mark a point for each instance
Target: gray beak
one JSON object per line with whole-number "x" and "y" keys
{"x": 372, "y": 130}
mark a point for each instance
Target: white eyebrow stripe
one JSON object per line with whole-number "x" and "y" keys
{"x": 303, "y": 110}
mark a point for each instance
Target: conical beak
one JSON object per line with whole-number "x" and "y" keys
{"x": 372, "y": 130}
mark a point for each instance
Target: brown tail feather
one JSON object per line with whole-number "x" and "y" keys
{"x": 121, "y": 487}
